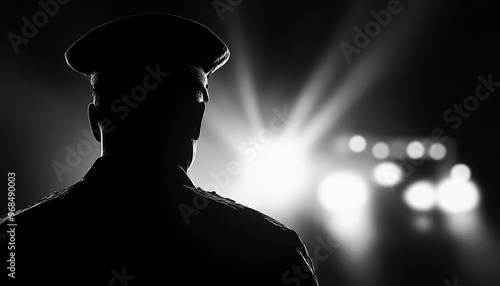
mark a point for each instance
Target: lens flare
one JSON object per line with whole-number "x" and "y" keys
{"x": 387, "y": 174}
{"x": 343, "y": 192}
{"x": 420, "y": 196}
{"x": 357, "y": 144}
{"x": 457, "y": 196}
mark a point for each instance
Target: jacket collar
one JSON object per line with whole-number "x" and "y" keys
{"x": 119, "y": 168}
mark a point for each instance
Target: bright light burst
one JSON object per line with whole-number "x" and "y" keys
{"x": 275, "y": 179}
{"x": 343, "y": 192}
{"x": 437, "y": 151}
{"x": 457, "y": 196}
{"x": 387, "y": 174}
{"x": 381, "y": 150}
{"x": 357, "y": 143}
{"x": 420, "y": 196}
{"x": 279, "y": 169}
{"x": 460, "y": 172}
{"x": 415, "y": 150}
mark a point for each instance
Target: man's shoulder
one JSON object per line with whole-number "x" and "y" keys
{"x": 49, "y": 206}
{"x": 217, "y": 230}
{"x": 233, "y": 231}
{"x": 210, "y": 204}
{"x": 214, "y": 216}
{"x": 195, "y": 208}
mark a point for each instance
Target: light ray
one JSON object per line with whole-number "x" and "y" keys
{"x": 326, "y": 72}
{"x": 231, "y": 132}
{"x": 311, "y": 93}
{"x": 368, "y": 67}
{"x": 246, "y": 86}
{"x": 341, "y": 100}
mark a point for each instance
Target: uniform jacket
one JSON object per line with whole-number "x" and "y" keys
{"x": 127, "y": 223}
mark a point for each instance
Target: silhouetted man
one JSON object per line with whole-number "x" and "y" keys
{"x": 136, "y": 218}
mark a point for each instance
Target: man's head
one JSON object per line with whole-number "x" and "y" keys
{"x": 149, "y": 77}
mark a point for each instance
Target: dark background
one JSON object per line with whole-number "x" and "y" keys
{"x": 424, "y": 61}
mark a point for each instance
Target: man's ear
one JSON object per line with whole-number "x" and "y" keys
{"x": 94, "y": 117}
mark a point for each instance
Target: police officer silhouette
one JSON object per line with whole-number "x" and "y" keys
{"x": 136, "y": 218}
